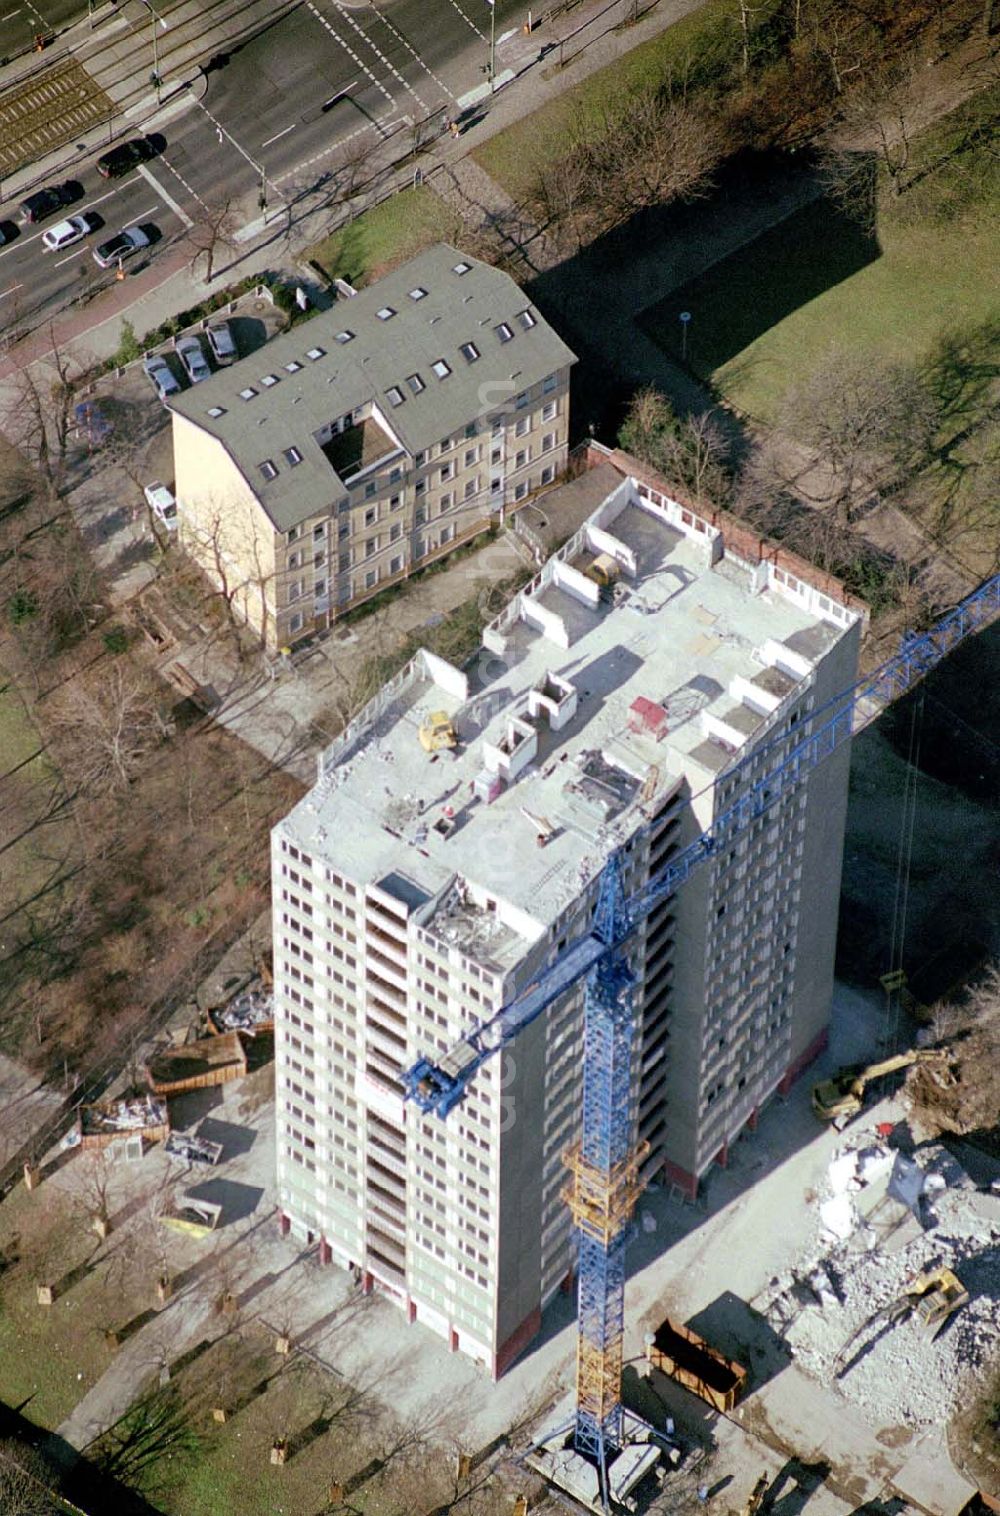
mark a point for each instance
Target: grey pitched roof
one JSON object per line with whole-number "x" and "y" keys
{"x": 290, "y": 403}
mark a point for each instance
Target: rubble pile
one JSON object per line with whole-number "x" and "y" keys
{"x": 247, "y": 1012}
{"x": 128, "y": 1115}
{"x": 870, "y": 1249}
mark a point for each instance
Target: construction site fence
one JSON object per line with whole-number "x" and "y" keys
{"x": 97, "y": 1079}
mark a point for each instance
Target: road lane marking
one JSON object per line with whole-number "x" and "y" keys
{"x": 13, "y": 286}
{"x": 349, "y": 51}
{"x": 277, "y": 135}
{"x": 167, "y": 198}
{"x": 405, "y": 43}
{"x": 367, "y": 38}
{"x": 69, "y": 258}
{"x": 10, "y": 16}
{"x": 468, "y": 20}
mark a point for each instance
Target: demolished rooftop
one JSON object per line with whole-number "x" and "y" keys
{"x": 587, "y": 705}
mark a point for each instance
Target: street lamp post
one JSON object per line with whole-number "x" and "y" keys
{"x": 155, "y": 77}
{"x": 492, "y": 69}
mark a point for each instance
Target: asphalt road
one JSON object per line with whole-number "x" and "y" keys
{"x": 22, "y": 20}
{"x": 285, "y": 102}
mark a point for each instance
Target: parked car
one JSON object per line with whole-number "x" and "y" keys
{"x": 188, "y": 350}
{"x": 125, "y": 157}
{"x": 220, "y": 340}
{"x": 161, "y": 376}
{"x": 92, "y": 423}
{"x": 45, "y": 201}
{"x": 132, "y": 240}
{"x": 163, "y": 504}
{"x": 65, "y": 233}
{"x": 8, "y": 231}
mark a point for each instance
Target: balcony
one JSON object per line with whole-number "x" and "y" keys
{"x": 376, "y": 985}
{"x": 393, "y": 968}
{"x": 379, "y": 919}
{"x": 383, "y": 1178}
{"x": 387, "y": 951}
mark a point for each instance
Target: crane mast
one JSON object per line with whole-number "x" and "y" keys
{"x": 604, "y": 1166}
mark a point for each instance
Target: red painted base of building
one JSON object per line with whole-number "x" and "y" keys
{"x": 517, "y": 1342}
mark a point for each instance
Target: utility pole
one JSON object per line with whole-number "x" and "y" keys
{"x": 155, "y": 77}
{"x": 491, "y": 71}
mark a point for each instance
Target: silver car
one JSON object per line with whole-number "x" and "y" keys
{"x": 188, "y": 350}
{"x": 220, "y": 340}
{"x": 161, "y": 376}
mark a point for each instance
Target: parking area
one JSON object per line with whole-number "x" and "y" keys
{"x": 123, "y": 443}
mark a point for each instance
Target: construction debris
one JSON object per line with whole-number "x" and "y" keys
{"x": 250, "y": 1012}
{"x": 863, "y": 1315}
{"x": 103, "y": 1123}
{"x": 193, "y": 1149}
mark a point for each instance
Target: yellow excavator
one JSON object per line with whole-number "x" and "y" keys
{"x": 843, "y": 1096}
{"x": 932, "y": 1298}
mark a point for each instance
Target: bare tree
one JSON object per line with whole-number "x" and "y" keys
{"x": 869, "y": 421}
{"x": 213, "y": 232}
{"x": 111, "y": 721}
{"x": 26, "y": 1481}
{"x": 648, "y": 150}
{"x": 691, "y": 451}
{"x": 878, "y": 111}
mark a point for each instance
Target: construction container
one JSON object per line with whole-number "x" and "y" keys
{"x": 687, "y": 1358}
{"x": 197, "y": 1065}
{"x": 106, "y": 1121}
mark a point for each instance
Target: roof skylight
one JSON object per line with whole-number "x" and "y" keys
{"x": 248, "y": 393}
{"x": 416, "y": 383}
{"x": 344, "y": 336}
{"x": 418, "y": 293}
{"x": 386, "y": 313}
{"x": 460, "y": 268}
{"x": 441, "y": 368}
{"x": 317, "y": 352}
{"x": 216, "y": 410}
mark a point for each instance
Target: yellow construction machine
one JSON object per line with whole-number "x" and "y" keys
{"x": 932, "y": 1298}
{"x": 604, "y": 572}
{"x": 843, "y": 1096}
{"x": 437, "y": 732}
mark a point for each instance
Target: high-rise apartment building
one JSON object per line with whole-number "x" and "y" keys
{"x": 416, "y": 893}
{"x": 369, "y": 441}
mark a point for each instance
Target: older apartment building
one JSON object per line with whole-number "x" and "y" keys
{"x": 362, "y": 444}
{"x": 415, "y": 896}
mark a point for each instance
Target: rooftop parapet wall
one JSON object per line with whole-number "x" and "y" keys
{"x": 423, "y": 668}
{"x": 787, "y": 573}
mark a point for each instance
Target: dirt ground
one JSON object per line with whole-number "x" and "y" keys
{"x": 353, "y": 1355}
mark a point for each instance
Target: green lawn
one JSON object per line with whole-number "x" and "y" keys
{"x": 764, "y": 318}
{"x": 697, "y": 47}
{"x": 377, "y": 240}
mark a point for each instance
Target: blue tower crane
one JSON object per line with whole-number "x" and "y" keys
{"x": 604, "y": 1165}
